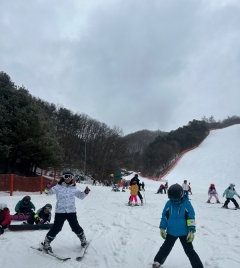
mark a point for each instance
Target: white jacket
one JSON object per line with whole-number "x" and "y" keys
{"x": 185, "y": 187}
{"x": 66, "y": 197}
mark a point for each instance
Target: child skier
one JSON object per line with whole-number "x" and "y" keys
{"x": 189, "y": 188}
{"x": 230, "y": 192}
{"x": 5, "y": 219}
{"x": 24, "y": 206}
{"x": 212, "y": 192}
{"x": 134, "y": 192}
{"x": 43, "y": 215}
{"x": 65, "y": 191}
{"x": 185, "y": 187}
{"x": 178, "y": 221}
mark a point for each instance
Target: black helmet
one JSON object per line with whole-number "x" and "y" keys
{"x": 48, "y": 207}
{"x": 175, "y": 191}
{"x": 27, "y": 198}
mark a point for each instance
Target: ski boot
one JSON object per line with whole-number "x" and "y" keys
{"x": 141, "y": 202}
{"x": 46, "y": 244}
{"x": 218, "y": 202}
{"x": 83, "y": 240}
{"x": 156, "y": 265}
{"x": 136, "y": 204}
{"x": 208, "y": 201}
{"x": 225, "y": 207}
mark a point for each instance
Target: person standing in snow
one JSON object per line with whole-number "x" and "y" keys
{"x": 42, "y": 216}
{"x": 133, "y": 194}
{"x": 212, "y": 192}
{"x": 135, "y": 178}
{"x": 178, "y": 221}
{"x": 185, "y": 187}
{"x": 230, "y": 192}
{"x": 189, "y": 188}
{"x": 65, "y": 191}
{"x": 5, "y": 218}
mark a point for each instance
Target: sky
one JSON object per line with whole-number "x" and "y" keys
{"x": 132, "y": 64}
{"x": 123, "y": 236}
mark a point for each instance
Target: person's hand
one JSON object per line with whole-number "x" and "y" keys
{"x": 163, "y": 233}
{"x": 87, "y": 190}
{"x": 48, "y": 185}
{"x": 238, "y": 196}
{"x": 190, "y": 236}
{"x": 20, "y": 213}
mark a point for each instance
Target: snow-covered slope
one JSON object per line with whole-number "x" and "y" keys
{"x": 123, "y": 236}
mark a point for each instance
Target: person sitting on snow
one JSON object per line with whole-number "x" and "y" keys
{"x": 161, "y": 189}
{"x": 115, "y": 188}
{"x": 24, "y": 206}
{"x": 5, "y": 218}
{"x": 42, "y": 216}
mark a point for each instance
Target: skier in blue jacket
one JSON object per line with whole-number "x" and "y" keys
{"x": 230, "y": 192}
{"x": 178, "y": 221}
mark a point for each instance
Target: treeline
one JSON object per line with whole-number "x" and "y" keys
{"x": 35, "y": 133}
{"x": 38, "y": 134}
{"x": 160, "y": 153}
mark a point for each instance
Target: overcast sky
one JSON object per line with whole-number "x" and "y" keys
{"x": 135, "y": 64}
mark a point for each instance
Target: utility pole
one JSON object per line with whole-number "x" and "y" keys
{"x": 85, "y": 156}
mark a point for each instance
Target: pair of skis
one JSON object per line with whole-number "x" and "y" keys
{"x": 79, "y": 258}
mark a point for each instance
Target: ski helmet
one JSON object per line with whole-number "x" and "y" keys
{"x": 2, "y": 206}
{"x": 175, "y": 191}
{"x": 185, "y": 181}
{"x": 48, "y": 207}
{"x": 27, "y": 198}
{"x": 67, "y": 174}
{"x": 212, "y": 185}
{"x": 232, "y": 185}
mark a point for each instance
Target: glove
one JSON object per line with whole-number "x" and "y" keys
{"x": 87, "y": 190}
{"x": 238, "y": 196}
{"x": 46, "y": 191}
{"x": 163, "y": 233}
{"x": 39, "y": 221}
{"x": 223, "y": 195}
{"x": 48, "y": 185}
{"x": 190, "y": 236}
{"x": 20, "y": 213}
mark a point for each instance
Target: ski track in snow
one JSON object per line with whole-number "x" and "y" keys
{"x": 125, "y": 237}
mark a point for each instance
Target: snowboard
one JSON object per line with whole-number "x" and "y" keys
{"x": 31, "y": 227}
{"x": 19, "y": 217}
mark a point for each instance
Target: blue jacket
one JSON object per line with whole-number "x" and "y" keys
{"x": 178, "y": 218}
{"x": 230, "y": 192}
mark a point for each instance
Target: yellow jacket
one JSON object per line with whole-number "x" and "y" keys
{"x": 133, "y": 189}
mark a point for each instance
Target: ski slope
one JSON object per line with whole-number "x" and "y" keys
{"x": 125, "y": 237}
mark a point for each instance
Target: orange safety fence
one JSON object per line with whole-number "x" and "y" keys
{"x": 11, "y": 182}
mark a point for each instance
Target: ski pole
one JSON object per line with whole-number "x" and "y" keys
{"x": 144, "y": 196}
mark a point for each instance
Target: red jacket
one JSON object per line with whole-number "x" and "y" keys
{"x": 7, "y": 219}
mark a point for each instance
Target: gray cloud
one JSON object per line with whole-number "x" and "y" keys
{"x": 134, "y": 64}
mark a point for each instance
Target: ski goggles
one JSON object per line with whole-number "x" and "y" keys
{"x": 67, "y": 177}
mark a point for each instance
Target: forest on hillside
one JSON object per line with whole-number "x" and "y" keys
{"x": 37, "y": 134}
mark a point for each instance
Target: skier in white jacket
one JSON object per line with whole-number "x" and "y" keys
{"x": 185, "y": 187}
{"x": 65, "y": 191}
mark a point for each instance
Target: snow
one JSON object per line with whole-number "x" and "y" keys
{"x": 123, "y": 236}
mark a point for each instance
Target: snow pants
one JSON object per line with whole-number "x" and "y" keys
{"x": 139, "y": 195}
{"x": 233, "y": 200}
{"x": 167, "y": 246}
{"x": 59, "y": 221}
{"x": 211, "y": 195}
{"x": 133, "y": 198}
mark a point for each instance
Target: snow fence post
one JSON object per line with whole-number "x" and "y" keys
{"x": 11, "y": 184}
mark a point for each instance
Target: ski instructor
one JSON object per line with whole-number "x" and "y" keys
{"x": 135, "y": 178}
{"x": 65, "y": 191}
